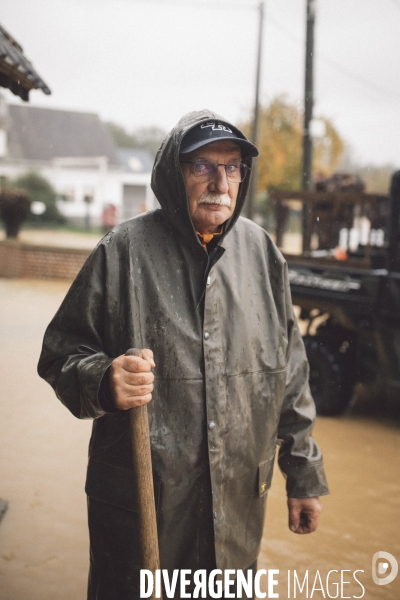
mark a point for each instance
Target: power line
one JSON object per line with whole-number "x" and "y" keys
{"x": 200, "y": 3}
{"x": 339, "y": 67}
{"x": 319, "y": 56}
{"x": 373, "y": 86}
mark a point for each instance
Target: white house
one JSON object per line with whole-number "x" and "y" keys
{"x": 74, "y": 151}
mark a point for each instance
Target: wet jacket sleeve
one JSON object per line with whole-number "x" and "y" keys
{"x": 300, "y": 459}
{"x": 73, "y": 360}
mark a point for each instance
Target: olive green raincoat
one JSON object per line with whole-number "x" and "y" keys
{"x": 231, "y": 379}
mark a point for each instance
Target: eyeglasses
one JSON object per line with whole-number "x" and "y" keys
{"x": 205, "y": 170}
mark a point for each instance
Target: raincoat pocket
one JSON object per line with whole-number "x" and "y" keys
{"x": 255, "y": 519}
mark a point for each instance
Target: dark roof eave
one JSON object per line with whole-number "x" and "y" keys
{"x": 18, "y": 83}
{"x": 16, "y": 71}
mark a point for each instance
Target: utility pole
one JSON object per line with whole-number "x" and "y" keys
{"x": 254, "y": 132}
{"x": 308, "y": 114}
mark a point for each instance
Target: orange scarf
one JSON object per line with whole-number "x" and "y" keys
{"x": 205, "y": 238}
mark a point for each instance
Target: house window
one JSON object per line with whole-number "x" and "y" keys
{"x": 3, "y": 142}
{"x": 67, "y": 195}
{"x": 88, "y": 196}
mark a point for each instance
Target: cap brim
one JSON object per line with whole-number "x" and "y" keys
{"x": 247, "y": 147}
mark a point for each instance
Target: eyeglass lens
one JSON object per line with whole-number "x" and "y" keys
{"x": 206, "y": 169}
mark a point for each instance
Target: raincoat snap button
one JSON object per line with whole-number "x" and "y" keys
{"x": 211, "y": 425}
{"x": 215, "y": 514}
{"x": 206, "y": 335}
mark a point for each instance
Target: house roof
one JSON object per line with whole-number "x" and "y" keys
{"x": 44, "y": 134}
{"x": 135, "y": 160}
{"x": 16, "y": 71}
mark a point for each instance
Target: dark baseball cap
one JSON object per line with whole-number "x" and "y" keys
{"x": 215, "y": 131}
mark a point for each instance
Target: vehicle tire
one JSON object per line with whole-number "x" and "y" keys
{"x": 331, "y": 380}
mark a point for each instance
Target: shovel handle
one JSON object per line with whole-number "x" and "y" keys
{"x": 141, "y": 454}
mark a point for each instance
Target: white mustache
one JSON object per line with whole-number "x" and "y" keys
{"x": 209, "y": 198}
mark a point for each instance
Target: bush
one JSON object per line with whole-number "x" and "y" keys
{"x": 40, "y": 190}
{"x": 14, "y": 209}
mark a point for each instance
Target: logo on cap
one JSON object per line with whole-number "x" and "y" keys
{"x": 216, "y": 126}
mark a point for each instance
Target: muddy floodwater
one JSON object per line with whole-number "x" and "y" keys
{"x": 43, "y": 535}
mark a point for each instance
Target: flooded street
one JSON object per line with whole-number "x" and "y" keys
{"x": 360, "y": 516}
{"x": 43, "y": 536}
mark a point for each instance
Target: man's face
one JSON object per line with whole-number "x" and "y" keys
{"x": 212, "y": 202}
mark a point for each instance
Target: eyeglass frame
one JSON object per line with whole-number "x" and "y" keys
{"x": 241, "y": 165}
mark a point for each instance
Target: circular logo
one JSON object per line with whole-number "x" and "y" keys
{"x": 380, "y": 568}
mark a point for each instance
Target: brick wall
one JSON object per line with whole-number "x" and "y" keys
{"x": 40, "y": 262}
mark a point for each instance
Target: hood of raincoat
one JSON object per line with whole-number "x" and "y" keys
{"x": 167, "y": 179}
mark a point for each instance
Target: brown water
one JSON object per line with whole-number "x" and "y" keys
{"x": 43, "y": 536}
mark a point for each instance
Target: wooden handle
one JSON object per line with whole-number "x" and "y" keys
{"x": 141, "y": 454}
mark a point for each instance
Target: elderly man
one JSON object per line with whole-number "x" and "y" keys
{"x": 205, "y": 292}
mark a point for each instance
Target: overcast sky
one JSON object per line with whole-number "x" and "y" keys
{"x": 142, "y": 63}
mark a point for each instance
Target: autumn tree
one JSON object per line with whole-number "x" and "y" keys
{"x": 280, "y": 145}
